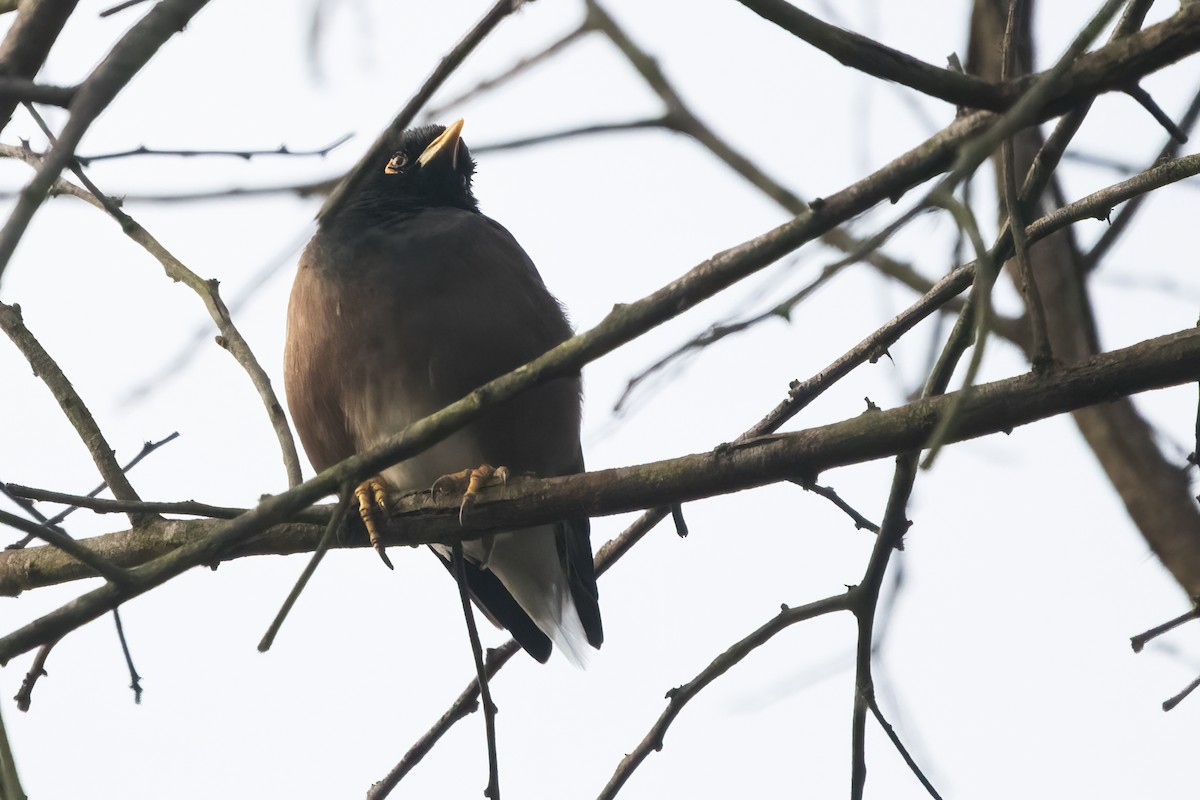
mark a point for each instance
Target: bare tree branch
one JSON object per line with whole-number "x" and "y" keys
{"x": 71, "y": 404}
{"x": 1119, "y": 225}
{"x": 230, "y": 338}
{"x": 526, "y": 502}
{"x": 801, "y": 393}
{"x": 680, "y": 696}
{"x": 28, "y": 42}
{"x": 124, "y": 61}
{"x": 127, "y": 505}
{"x": 881, "y": 61}
{"x": 22, "y": 90}
{"x": 1155, "y": 492}
{"x": 489, "y": 708}
{"x": 245, "y": 155}
{"x": 37, "y": 670}
{"x": 81, "y": 553}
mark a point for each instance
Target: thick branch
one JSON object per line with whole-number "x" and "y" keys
{"x": 858, "y": 52}
{"x": 28, "y": 42}
{"x": 1112, "y": 67}
{"x": 20, "y": 90}
{"x": 1154, "y": 491}
{"x": 622, "y": 325}
{"x": 525, "y": 502}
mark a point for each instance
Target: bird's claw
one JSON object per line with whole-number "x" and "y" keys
{"x": 470, "y": 482}
{"x": 373, "y": 508}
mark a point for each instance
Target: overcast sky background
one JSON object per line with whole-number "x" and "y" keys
{"x": 1006, "y": 666}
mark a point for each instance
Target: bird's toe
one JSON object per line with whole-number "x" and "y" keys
{"x": 371, "y": 495}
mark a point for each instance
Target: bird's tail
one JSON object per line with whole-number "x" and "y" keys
{"x": 529, "y": 565}
{"x": 568, "y": 633}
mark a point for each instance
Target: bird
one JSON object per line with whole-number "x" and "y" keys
{"x": 406, "y": 300}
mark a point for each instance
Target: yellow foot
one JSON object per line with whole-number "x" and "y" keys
{"x": 469, "y": 482}
{"x": 372, "y": 507}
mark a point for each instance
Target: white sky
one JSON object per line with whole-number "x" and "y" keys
{"x": 1006, "y": 666}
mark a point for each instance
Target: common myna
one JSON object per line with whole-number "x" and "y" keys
{"x": 405, "y": 301}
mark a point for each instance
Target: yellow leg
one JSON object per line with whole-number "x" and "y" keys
{"x": 470, "y": 482}
{"x": 373, "y": 508}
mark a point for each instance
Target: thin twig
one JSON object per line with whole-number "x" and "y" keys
{"x": 1098, "y": 204}
{"x": 147, "y": 449}
{"x": 331, "y": 530}
{"x": 301, "y": 188}
{"x": 681, "y": 527}
{"x": 681, "y": 118}
{"x": 1179, "y": 698}
{"x": 1123, "y": 219}
{"x": 465, "y": 704}
{"x": 830, "y": 494}
{"x": 489, "y": 708}
{"x": 891, "y": 538}
{"x": 519, "y": 68}
{"x": 201, "y": 335}
{"x": 25, "y": 505}
{"x": 97, "y": 91}
{"x": 782, "y": 309}
{"x": 649, "y": 123}
{"x": 231, "y": 338}
{"x": 20, "y": 495}
{"x": 679, "y": 697}
{"x": 1142, "y": 639}
{"x": 135, "y": 680}
{"x": 976, "y": 322}
{"x": 108, "y": 12}
{"x": 37, "y": 669}
{"x": 102, "y": 505}
{"x": 899, "y": 745}
{"x": 61, "y": 186}
{"x": 246, "y": 155}
{"x": 467, "y": 701}
{"x": 1147, "y": 102}
{"x": 71, "y": 404}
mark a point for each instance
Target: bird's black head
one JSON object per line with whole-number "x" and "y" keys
{"x": 432, "y": 167}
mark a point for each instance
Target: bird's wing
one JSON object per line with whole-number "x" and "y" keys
{"x": 575, "y": 550}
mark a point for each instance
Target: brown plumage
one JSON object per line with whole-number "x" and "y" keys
{"x": 408, "y": 300}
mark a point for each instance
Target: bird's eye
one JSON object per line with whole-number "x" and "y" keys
{"x": 397, "y": 163}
